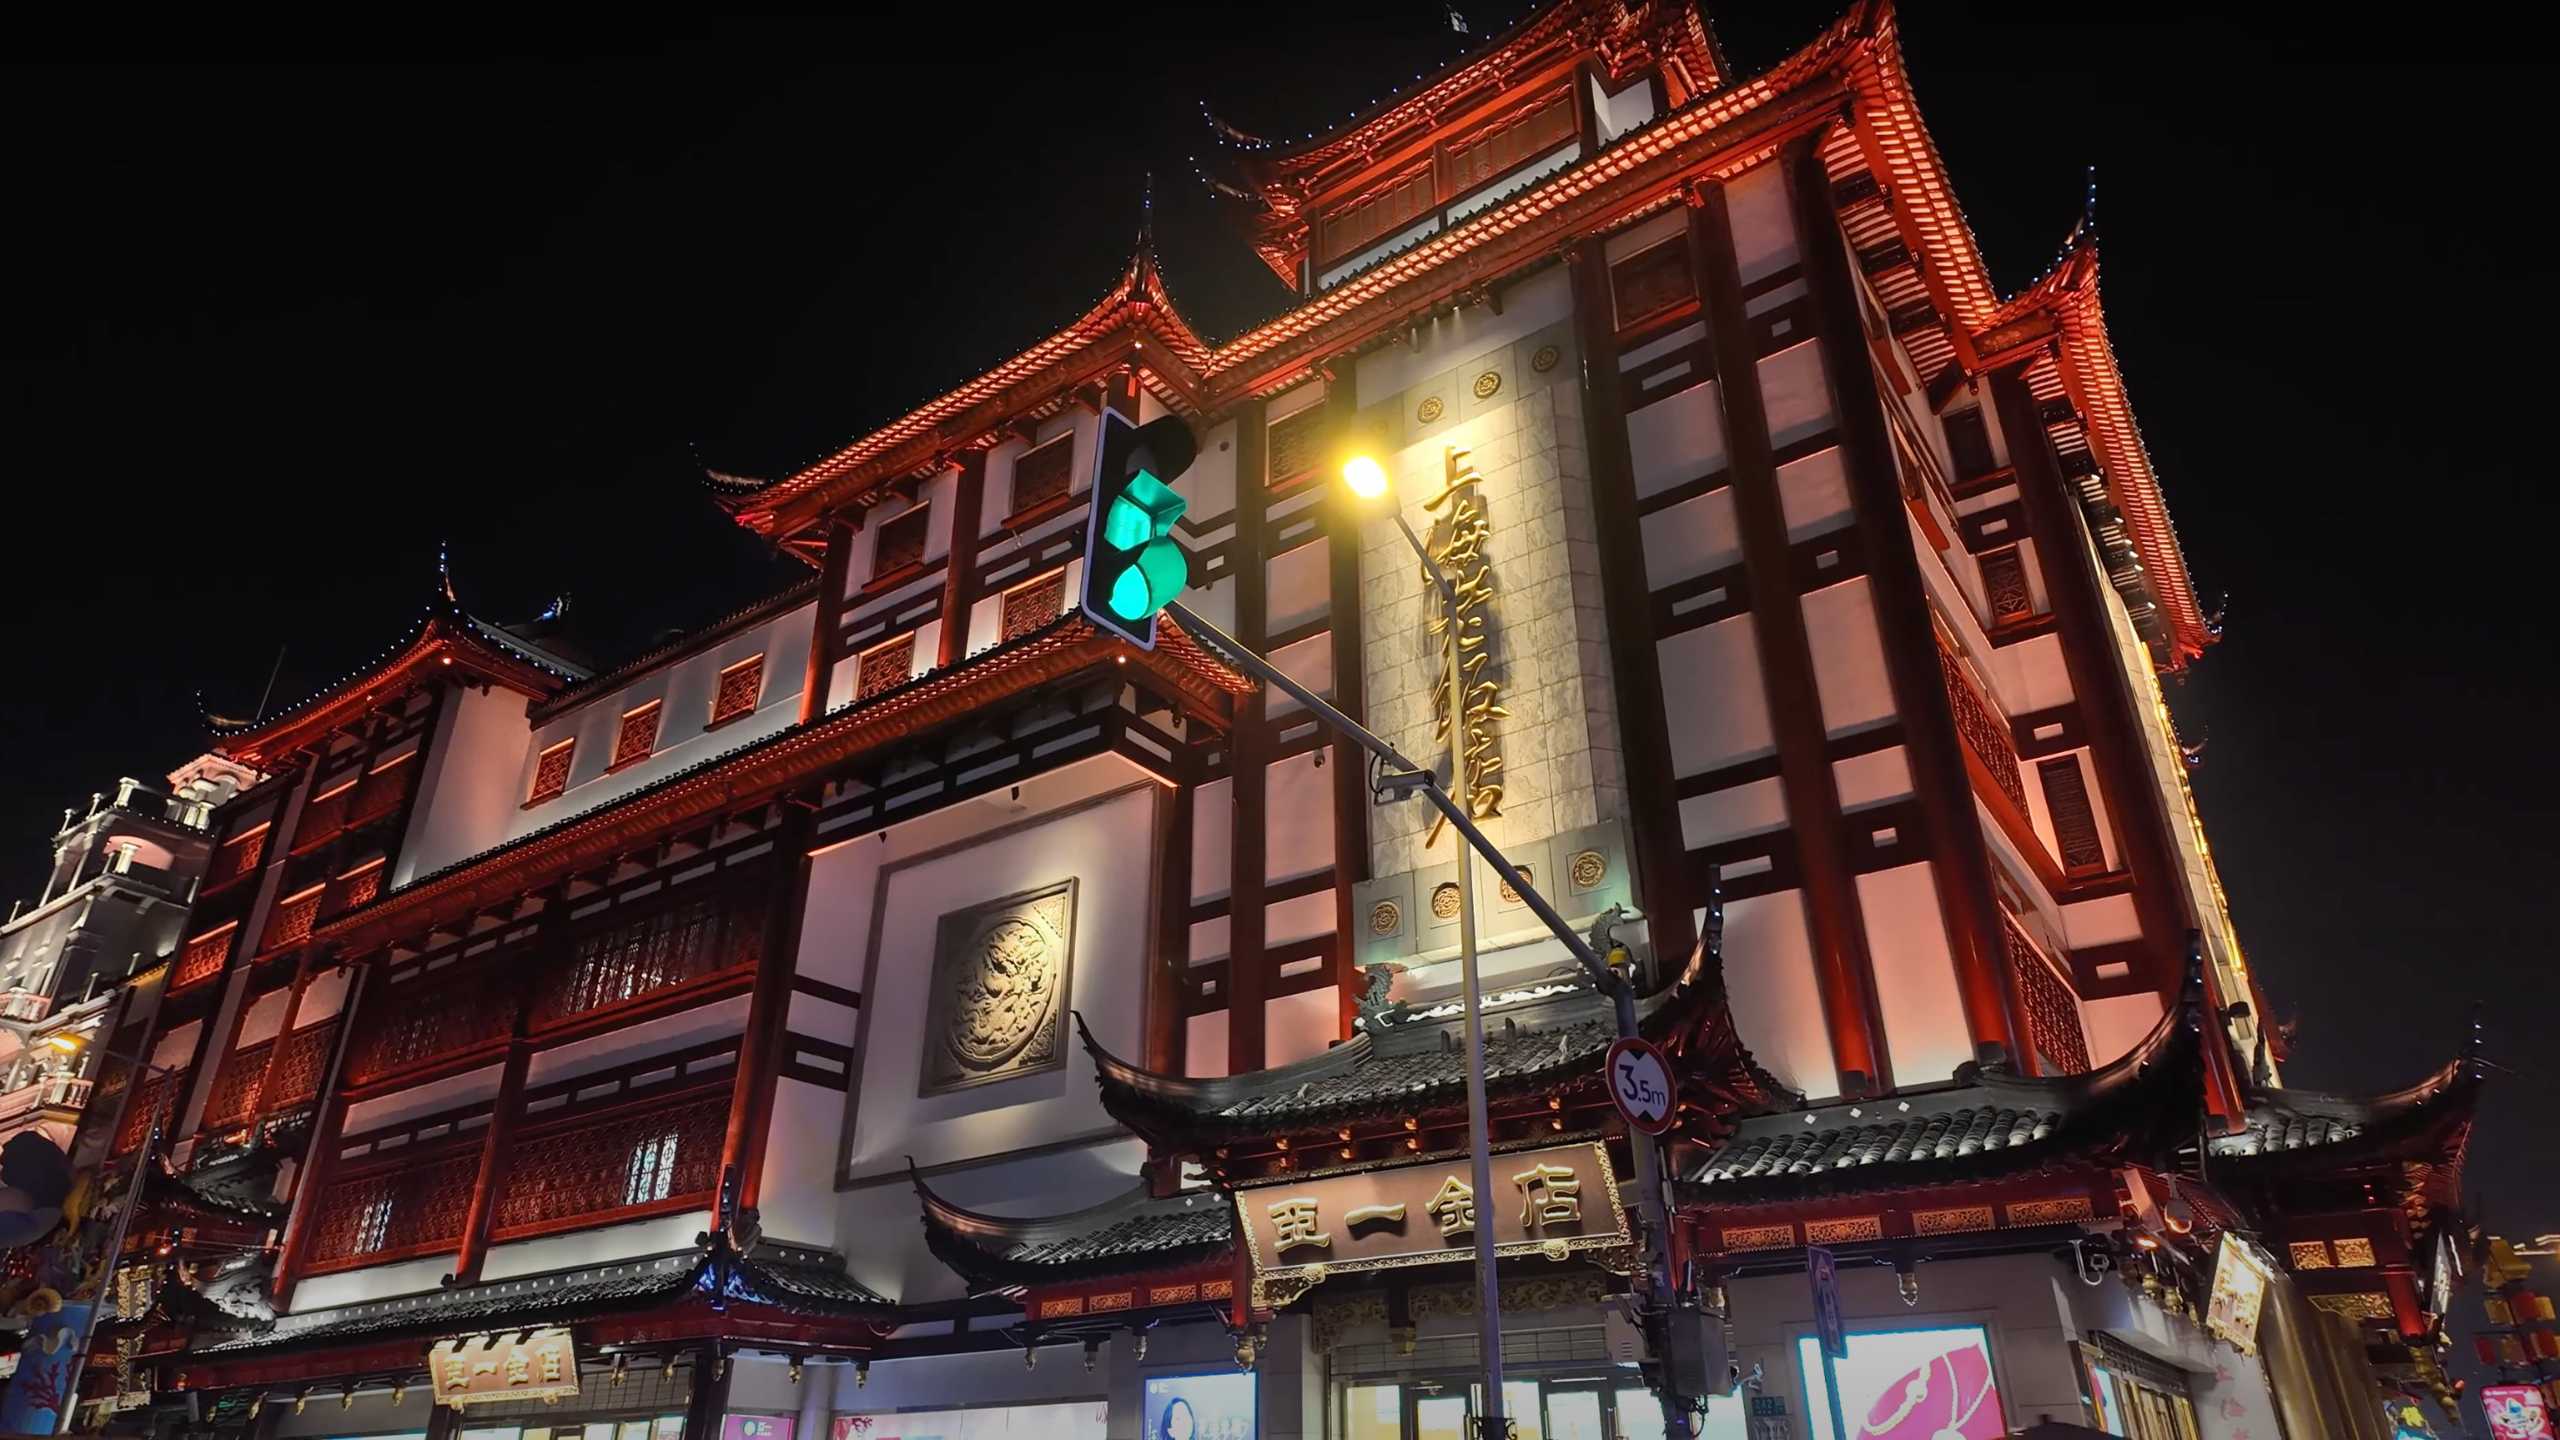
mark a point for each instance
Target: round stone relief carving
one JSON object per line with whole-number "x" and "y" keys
{"x": 1385, "y": 918}
{"x": 1000, "y": 999}
{"x": 1589, "y": 868}
{"x": 1430, "y": 409}
{"x": 1511, "y": 896}
{"x": 1545, "y": 358}
{"x": 1444, "y": 900}
{"x": 1487, "y": 384}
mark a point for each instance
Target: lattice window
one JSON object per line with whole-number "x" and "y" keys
{"x": 741, "y": 685}
{"x": 235, "y": 1087}
{"x": 203, "y": 957}
{"x": 1296, "y": 446}
{"x": 673, "y": 946}
{"x": 238, "y": 856}
{"x": 551, "y": 771}
{"x": 382, "y": 791}
{"x": 295, "y": 1079}
{"x": 294, "y": 917}
{"x": 356, "y": 887}
{"x": 2075, "y": 821}
{"x": 1985, "y": 733}
{"x": 1652, "y": 280}
{"x": 636, "y": 738}
{"x": 1043, "y": 474}
{"x": 594, "y": 1171}
{"x": 324, "y": 816}
{"x": 150, "y": 1103}
{"x": 1969, "y": 442}
{"x": 1373, "y": 216}
{"x": 900, "y": 543}
{"x": 414, "y": 1209}
{"x": 2052, "y": 1009}
{"x": 884, "y": 666}
{"x": 2004, "y": 580}
{"x": 1034, "y": 603}
{"x": 414, "y": 1024}
{"x": 1507, "y": 144}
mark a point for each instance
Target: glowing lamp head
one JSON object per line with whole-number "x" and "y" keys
{"x": 68, "y": 1044}
{"x": 1366, "y": 477}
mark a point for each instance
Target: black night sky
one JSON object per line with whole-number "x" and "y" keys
{"x": 280, "y": 321}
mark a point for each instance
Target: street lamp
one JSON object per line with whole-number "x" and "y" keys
{"x": 1367, "y": 479}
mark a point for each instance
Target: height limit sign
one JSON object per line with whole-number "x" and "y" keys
{"x": 1640, "y": 1085}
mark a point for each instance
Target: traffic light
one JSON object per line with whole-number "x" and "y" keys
{"x": 1133, "y": 567}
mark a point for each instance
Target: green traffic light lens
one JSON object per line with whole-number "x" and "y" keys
{"x": 1145, "y": 510}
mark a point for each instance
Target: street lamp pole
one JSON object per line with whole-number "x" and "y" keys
{"x": 1490, "y": 1422}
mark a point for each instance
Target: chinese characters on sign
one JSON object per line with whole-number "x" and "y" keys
{"x": 480, "y": 1370}
{"x": 1554, "y": 1201}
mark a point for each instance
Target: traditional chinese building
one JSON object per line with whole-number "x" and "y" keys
{"x": 898, "y": 1007}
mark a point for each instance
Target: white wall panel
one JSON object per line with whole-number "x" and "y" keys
{"x": 1674, "y": 441}
{"x": 1300, "y": 1025}
{"x": 1731, "y": 813}
{"x": 2118, "y": 1023}
{"x": 1694, "y": 537}
{"x": 1924, "y": 1028}
{"x": 1310, "y": 663}
{"x": 1848, "y": 657}
{"x": 1876, "y": 778}
{"x": 1764, "y": 232}
{"x": 602, "y": 1246}
{"x": 1213, "y": 814}
{"x": 1814, "y": 492}
{"x": 1204, "y": 1044}
{"x": 1300, "y": 588}
{"x": 1298, "y": 816}
{"x": 1777, "y": 1003}
{"x": 1794, "y": 394}
{"x": 262, "y": 1019}
{"x": 1711, "y": 696}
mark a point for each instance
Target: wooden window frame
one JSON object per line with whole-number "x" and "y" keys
{"x": 1969, "y": 421}
{"x": 567, "y": 750}
{"x": 883, "y": 575}
{"x": 1313, "y": 418}
{"x": 1331, "y": 251}
{"x": 623, "y": 730}
{"x": 1005, "y": 627}
{"x": 1452, "y": 189}
{"x": 1676, "y": 244}
{"x": 2084, "y": 813}
{"x": 1025, "y": 508}
{"x": 720, "y": 691}
{"x": 863, "y": 688}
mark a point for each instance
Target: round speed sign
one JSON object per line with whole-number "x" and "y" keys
{"x": 1640, "y": 1085}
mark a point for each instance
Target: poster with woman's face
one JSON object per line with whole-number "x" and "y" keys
{"x": 1200, "y": 1407}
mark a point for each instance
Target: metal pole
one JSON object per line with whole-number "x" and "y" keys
{"x": 1489, "y": 1419}
{"x": 132, "y": 1197}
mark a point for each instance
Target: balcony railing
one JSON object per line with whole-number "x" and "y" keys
{"x": 68, "y": 1092}
{"x": 638, "y": 1159}
{"x": 417, "y": 1208}
{"x": 407, "y": 1026}
{"x": 246, "y": 1087}
{"x": 655, "y": 953}
{"x": 294, "y": 918}
{"x": 323, "y": 817}
{"x": 381, "y": 792}
{"x": 1985, "y": 733}
{"x": 2052, "y": 1007}
{"x": 203, "y": 957}
{"x": 24, "y": 1006}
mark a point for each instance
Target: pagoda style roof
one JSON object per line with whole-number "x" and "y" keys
{"x": 1133, "y": 324}
{"x": 1993, "y": 1126}
{"x": 2413, "y": 1141}
{"x": 1541, "y": 1041}
{"x": 763, "y": 769}
{"x": 1131, "y": 1233}
{"x": 796, "y": 1283}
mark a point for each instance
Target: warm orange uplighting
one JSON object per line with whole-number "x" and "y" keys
{"x": 1366, "y": 477}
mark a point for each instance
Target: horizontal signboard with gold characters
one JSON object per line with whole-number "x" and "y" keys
{"x": 512, "y": 1365}
{"x": 1557, "y": 1201}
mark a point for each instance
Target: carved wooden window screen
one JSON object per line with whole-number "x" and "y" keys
{"x": 1373, "y": 216}
{"x": 203, "y": 956}
{"x": 2075, "y": 820}
{"x": 1507, "y": 144}
{"x": 238, "y": 856}
{"x": 412, "y": 1209}
{"x": 551, "y": 771}
{"x": 2004, "y": 584}
{"x": 592, "y": 1170}
{"x": 1034, "y": 603}
{"x": 634, "y": 958}
{"x": 1044, "y": 473}
{"x": 1652, "y": 280}
{"x": 2052, "y": 1009}
{"x": 1296, "y": 446}
{"x": 900, "y": 543}
{"x": 295, "y": 1079}
{"x": 234, "y": 1097}
{"x": 294, "y": 918}
{"x": 356, "y": 887}
{"x": 741, "y": 685}
{"x": 1985, "y": 730}
{"x": 415, "y": 1023}
{"x": 381, "y": 792}
{"x": 1969, "y": 442}
{"x": 636, "y": 738}
{"x": 325, "y": 815}
{"x": 884, "y": 667}
{"x": 149, "y": 1103}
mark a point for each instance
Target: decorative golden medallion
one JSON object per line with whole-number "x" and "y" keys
{"x": 1385, "y": 918}
{"x": 1430, "y": 409}
{"x": 1511, "y": 896}
{"x": 999, "y": 988}
{"x": 1589, "y": 868}
{"x": 1444, "y": 900}
{"x": 1487, "y": 383}
{"x": 1545, "y": 359}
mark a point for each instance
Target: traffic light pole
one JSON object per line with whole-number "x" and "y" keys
{"x": 1618, "y": 984}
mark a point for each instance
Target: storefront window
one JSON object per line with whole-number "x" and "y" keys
{"x": 1216, "y": 1406}
{"x": 1929, "y": 1384}
{"x": 1373, "y": 1412}
{"x": 1079, "y": 1420}
{"x": 736, "y": 1427}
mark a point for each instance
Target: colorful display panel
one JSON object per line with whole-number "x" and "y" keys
{"x": 1078, "y": 1420}
{"x": 1929, "y": 1384}
{"x": 1217, "y": 1406}
{"x": 2516, "y": 1412}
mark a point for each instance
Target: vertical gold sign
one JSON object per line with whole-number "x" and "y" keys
{"x": 1459, "y": 529}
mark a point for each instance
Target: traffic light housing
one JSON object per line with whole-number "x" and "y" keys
{"x": 1133, "y": 567}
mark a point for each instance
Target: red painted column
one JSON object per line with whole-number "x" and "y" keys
{"x": 960, "y": 567}
{"x": 1350, "y": 693}
{"x": 329, "y": 1114}
{"x": 1850, "y": 1009}
{"x": 551, "y": 951}
{"x": 1958, "y": 854}
{"x": 828, "y": 619}
{"x": 768, "y": 1008}
{"x": 1166, "y": 1027}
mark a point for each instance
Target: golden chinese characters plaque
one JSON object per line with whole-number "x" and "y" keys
{"x": 999, "y": 996}
{"x": 513, "y": 1366}
{"x": 1555, "y": 1202}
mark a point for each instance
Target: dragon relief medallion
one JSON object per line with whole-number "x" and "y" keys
{"x": 1000, "y": 982}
